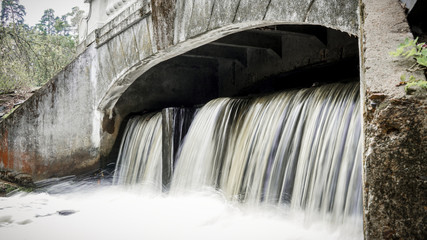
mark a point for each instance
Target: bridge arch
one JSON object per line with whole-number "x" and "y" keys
{"x": 253, "y": 61}
{"x": 171, "y": 28}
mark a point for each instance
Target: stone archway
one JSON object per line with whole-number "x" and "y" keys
{"x": 194, "y": 24}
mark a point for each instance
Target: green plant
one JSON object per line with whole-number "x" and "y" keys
{"x": 31, "y": 55}
{"x": 410, "y": 48}
{"x": 10, "y": 188}
{"x": 412, "y": 82}
{"x": 10, "y": 112}
{"x": 417, "y": 51}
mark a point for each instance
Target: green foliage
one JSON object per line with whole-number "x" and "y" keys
{"x": 410, "y": 48}
{"x": 412, "y": 82}
{"x": 12, "y": 12}
{"x": 47, "y": 22}
{"x": 10, "y": 189}
{"x": 10, "y": 112}
{"x": 30, "y": 56}
{"x": 76, "y": 16}
{"x": 62, "y": 27}
{"x": 417, "y": 51}
{"x": 13, "y": 52}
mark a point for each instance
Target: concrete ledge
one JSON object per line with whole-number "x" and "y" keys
{"x": 129, "y": 17}
{"x": 85, "y": 44}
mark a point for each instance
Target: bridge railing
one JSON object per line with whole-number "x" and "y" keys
{"x": 100, "y": 13}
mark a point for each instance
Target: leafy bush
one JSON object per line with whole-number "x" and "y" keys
{"x": 30, "y": 56}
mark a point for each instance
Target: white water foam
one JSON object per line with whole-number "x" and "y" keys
{"x": 113, "y": 212}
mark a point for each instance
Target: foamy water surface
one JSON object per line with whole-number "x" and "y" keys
{"x": 117, "y": 212}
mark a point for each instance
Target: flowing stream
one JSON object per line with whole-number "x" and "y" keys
{"x": 281, "y": 166}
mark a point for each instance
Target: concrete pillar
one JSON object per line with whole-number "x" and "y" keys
{"x": 97, "y": 15}
{"x": 175, "y": 124}
{"x": 395, "y": 125}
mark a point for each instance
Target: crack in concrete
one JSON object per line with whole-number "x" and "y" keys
{"x": 266, "y": 10}
{"x": 308, "y": 10}
{"x": 210, "y": 17}
{"x": 189, "y": 20}
{"x": 235, "y": 12}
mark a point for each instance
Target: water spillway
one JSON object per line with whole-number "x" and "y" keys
{"x": 280, "y": 166}
{"x": 299, "y": 149}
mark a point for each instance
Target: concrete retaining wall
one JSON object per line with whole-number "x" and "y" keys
{"x": 56, "y": 131}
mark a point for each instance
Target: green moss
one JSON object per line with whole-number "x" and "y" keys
{"x": 7, "y": 188}
{"x": 10, "y": 188}
{"x": 409, "y": 88}
{"x": 10, "y": 112}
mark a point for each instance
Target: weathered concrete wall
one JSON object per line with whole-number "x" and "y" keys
{"x": 56, "y": 131}
{"x": 395, "y": 129}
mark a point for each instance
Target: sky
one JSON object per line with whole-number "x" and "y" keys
{"x": 35, "y": 8}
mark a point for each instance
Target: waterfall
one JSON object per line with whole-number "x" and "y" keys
{"x": 280, "y": 166}
{"x": 300, "y": 149}
{"x": 140, "y": 155}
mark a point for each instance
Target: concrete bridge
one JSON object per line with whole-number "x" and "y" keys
{"x": 141, "y": 55}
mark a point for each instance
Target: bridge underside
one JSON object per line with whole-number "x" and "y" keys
{"x": 252, "y": 62}
{"x": 255, "y": 61}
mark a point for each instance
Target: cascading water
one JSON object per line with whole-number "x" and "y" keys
{"x": 293, "y": 159}
{"x": 300, "y": 148}
{"x": 297, "y": 148}
{"x": 140, "y": 156}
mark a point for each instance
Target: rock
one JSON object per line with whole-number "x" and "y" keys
{"x": 18, "y": 179}
{"x": 66, "y": 212}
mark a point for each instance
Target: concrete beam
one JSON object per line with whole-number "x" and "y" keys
{"x": 181, "y": 81}
{"x": 175, "y": 124}
{"x": 218, "y": 50}
{"x": 163, "y": 22}
{"x": 256, "y": 39}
